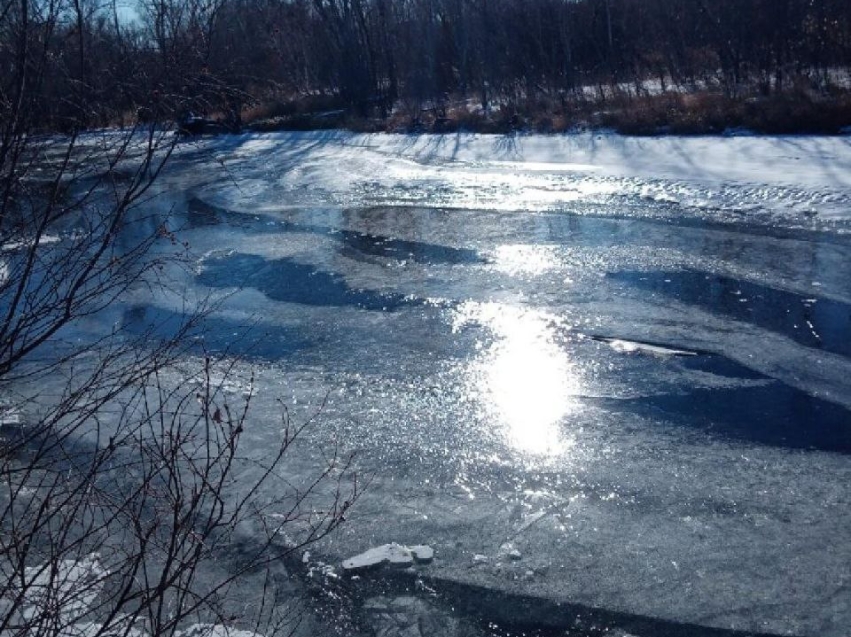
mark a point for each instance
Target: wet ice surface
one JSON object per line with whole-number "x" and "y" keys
{"x": 629, "y": 360}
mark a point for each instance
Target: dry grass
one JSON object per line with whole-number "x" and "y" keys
{"x": 701, "y": 113}
{"x": 708, "y": 112}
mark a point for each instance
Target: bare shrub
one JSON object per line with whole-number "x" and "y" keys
{"x": 126, "y": 504}
{"x": 129, "y": 527}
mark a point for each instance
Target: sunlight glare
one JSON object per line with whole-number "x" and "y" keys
{"x": 525, "y": 380}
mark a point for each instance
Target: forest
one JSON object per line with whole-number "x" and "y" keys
{"x": 385, "y": 64}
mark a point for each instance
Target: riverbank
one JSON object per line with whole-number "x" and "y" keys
{"x": 628, "y": 112}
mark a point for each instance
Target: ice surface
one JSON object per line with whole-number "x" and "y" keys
{"x": 68, "y": 587}
{"x": 408, "y": 616}
{"x": 452, "y": 308}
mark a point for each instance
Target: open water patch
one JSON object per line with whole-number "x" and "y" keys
{"x": 504, "y": 614}
{"x": 775, "y": 414}
{"x": 352, "y": 243}
{"x": 214, "y": 334}
{"x": 748, "y": 406}
{"x": 359, "y": 243}
{"x": 812, "y": 321}
{"x": 287, "y": 281}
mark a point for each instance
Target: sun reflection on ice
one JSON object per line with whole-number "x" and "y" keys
{"x": 527, "y": 260}
{"x": 524, "y": 380}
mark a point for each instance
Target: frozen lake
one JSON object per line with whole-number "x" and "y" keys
{"x": 627, "y": 359}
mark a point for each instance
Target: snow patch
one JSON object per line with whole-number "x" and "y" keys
{"x": 21, "y": 244}
{"x": 9, "y": 416}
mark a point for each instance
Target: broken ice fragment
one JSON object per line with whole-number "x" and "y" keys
{"x": 393, "y": 554}
{"x": 508, "y": 549}
{"x": 66, "y": 588}
{"x": 422, "y": 554}
{"x": 623, "y": 346}
{"x": 214, "y": 630}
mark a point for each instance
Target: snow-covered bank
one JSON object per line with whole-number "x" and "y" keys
{"x": 791, "y": 182}
{"x": 799, "y": 161}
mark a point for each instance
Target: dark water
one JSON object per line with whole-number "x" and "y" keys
{"x": 810, "y": 320}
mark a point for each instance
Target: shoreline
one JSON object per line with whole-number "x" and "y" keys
{"x": 677, "y": 114}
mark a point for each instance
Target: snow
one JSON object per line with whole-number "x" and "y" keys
{"x": 792, "y": 181}
{"x": 811, "y": 161}
{"x": 67, "y": 594}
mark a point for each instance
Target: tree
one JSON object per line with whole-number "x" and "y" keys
{"x": 119, "y": 487}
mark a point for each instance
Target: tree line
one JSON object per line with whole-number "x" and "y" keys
{"x": 86, "y": 64}
{"x": 510, "y": 50}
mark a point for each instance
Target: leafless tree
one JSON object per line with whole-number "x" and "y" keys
{"x": 123, "y": 490}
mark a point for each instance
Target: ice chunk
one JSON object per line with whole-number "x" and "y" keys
{"x": 215, "y": 630}
{"x": 28, "y": 242}
{"x": 9, "y": 416}
{"x": 422, "y": 554}
{"x": 68, "y": 587}
{"x": 393, "y": 554}
{"x": 508, "y": 549}
{"x": 636, "y": 347}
